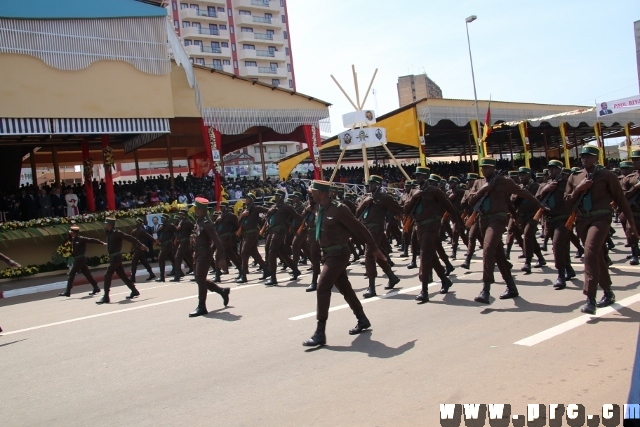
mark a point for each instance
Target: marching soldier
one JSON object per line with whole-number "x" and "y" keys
{"x": 551, "y": 195}
{"x": 455, "y": 195}
{"x": 491, "y": 196}
{"x": 204, "y": 238}
{"x": 631, "y": 186}
{"x": 513, "y": 232}
{"x": 79, "y": 245}
{"x": 427, "y": 207}
{"x": 226, "y": 227}
{"x": 183, "y": 253}
{"x": 114, "y": 249}
{"x": 526, "y": 223}
{"x": 334, "y": 224}
{"x": 474, "y": 231}
{"x": 591, "y": 191}
{"x": 372, "y": 211}
{"x": 249, "y": 231}
{"x": 307, "y": 233}
{"x": 406, "y": 223}
{"x": 141, "y": 234}
{"x": 278, "y": 219}
{"x": 166, "y": 234}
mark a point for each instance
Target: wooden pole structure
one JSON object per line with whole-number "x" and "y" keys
{"x": 396, "y": 161}
{"x": 344, "y": 93}
{"x": 34, "y": 175}
{"x": 473, "y": 166}
{"x": 366, "y": 95}
{"x": 56, "y": 165}
{"x": 264, "y": 169}
{"x": 365, "y": 161}
{"x": 355, "y": 83}
{"x": 170, "y": 158}
{"x": 335, "y": 170}
{"x": 511, "y": 149}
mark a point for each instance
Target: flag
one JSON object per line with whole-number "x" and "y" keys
{"x": 487, "y": 123}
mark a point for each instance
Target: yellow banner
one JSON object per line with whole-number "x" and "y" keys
{"x": 476, "y": 138}
{"x": 627, "y": 135}
{"x": 565, "y": 144}
{"x": 524, "y": 134}
{"x": 599, "y": 141}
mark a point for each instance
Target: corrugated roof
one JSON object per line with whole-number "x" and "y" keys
{"x": 78, "y": 9}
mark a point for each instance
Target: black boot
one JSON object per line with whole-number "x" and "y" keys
{"x": 405, "y": 253}
{"x": 96, "y": 289}
{"x": 161, "y": 278}
{"x": 200, "y": 310}
{"x": 190, "y": 272}
{"x": 371, "y": 291}
{"x": 511, "y": 291}
{"x": 391, "y": 263}
{"x": 265, "y": 273}
{"x": 634, "y": 255}
{"x": 467, "y": 262}
{"x": 570, "y": 273}
{"x": 607, "y": 299}
{"x": 526, "y": 267}
{"x": 177, "y": 276}
{"x": 295, "y": 273}
{"x": 589, "y": 307}
{"x": 66, "y": 293}
{"x": 561, "y": 282}
{"x": 522, "y": 255}
{"x": 224, "y": 293}
{"x": 273, "y": 281}
{"x": 454, "y": 252}
{"x": 446, "y": 284}
{"x": 448, "y": 269}
{"x": 579, "y": 253}
{"x": 151, "y": 276}
{"x": 484, "y": 294}
{"x": 217, "y": 278}
{"x": 412, "y": 264}
{"x": 242, "y": 278}
{"x": 314, "y": 284}
{"x": 239, "y": 276}
{"x": 541, "y": 262}
{"x": 363, "y": 323}
{"x": 105, "y": 298}
{"x": 318, "y": 338}
{"x": 134, "y": 293}
{"x": 393, "y": 280}
{"x": 423, "y": 296}
{"x": 507, "y": 251}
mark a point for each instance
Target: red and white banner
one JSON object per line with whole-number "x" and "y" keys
{"x": 618, "y": 106}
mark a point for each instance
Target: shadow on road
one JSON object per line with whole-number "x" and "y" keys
{"x": 12, "y": 342}
{"x": 364, "y": 344}
{"x": 625, "y": 315}
{"x": 221, "y": 314}
{"x": 522, "y": 305}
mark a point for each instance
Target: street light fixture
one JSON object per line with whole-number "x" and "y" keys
{"x": 467, "y": 21}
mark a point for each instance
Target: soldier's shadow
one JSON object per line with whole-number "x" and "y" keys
{"x": 221, "y": 314}
{"x": 364, "y": 344}
{"x": 624, "y": 314}
{"x": 131, "y": 301}
{"x": 12, "y": 342}
{"x": 522, "y": 305}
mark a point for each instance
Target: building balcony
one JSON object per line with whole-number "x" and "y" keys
{"x": 202, "y": 15}
{"x": 197, "y": 50}
{"x": 204, "y": 34}
{"x": 264, "y": 72}
{"x": 261, "y": 55}
{"x": 262, "y": 38}
{"x": 263, "y": 5}
{"x": 225, "y": 68}
{"x": 258, "y": 21}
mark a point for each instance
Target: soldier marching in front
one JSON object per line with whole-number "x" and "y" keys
{"x": 525, "y": 213}
{"x": 372, "y": 211}
{"x": 248, "y": 230}
{"x": 183, "y": 253}
{"x": 79, "y": 248}
{"x": 631, "y": 186}
{"x": 306, "y": 235}
{"x": 166, "y": 234}
{"x": 226, "y": 227}
{"x": 204, "y": 239}
{"x": 474, "y": 232}
{"x": 455, "y": 195}
{"x": 590, "y": 193}
{"x": 490, "y": 198}
{"x": 334, "y": 224}
{"x": 141, "y": 234}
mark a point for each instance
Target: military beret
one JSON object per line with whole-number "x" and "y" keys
{"x": 140, "y": 220}
{"x": 524, "y": 170}
{"x": 409, "y": 183}
{"x": 454, "y": 179}
{"x": 591, "y": 150}
{"x": 251, "y": 196}
{"x": 280, "y": 193}
{"x": 626, "y": 164}
{"x": 539, "y": 175}
{"x": 472, "y": 176}
{"x": 566, "y": 170}
{"x": 297, "y": 194}
{"x": 575, "y": 170}
{"x": 488, "y": 161}
{"x": 434, "y": 177}
{"x": 556, "y": 164}
{"x": 375, "y": 179}
{"x": 201, "y": 203}
{"x": 463, "y": 186}
{"x": 110, "y": 220}
{"x": 423, "y": 170}
{"x": 513, "y": 173}
{"x": 324, "y": 186}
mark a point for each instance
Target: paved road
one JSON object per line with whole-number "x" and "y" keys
{"x": 69, "y": 362}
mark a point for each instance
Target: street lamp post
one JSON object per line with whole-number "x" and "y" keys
{"x": 473, "y": 77}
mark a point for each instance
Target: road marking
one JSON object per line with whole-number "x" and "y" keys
{"x": 574, "y": 323}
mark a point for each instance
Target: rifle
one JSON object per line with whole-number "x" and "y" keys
{"x": 408, "y": 222}
{"x": 445, "y": 216}
{"x": 574, "y": 210}
{"x": 540, "y": 211}
{"x": 476, "y": 208}
{"x": 239, "y": 232}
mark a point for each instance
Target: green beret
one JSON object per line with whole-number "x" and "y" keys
{"x": 488, "y": 161}
{"x": 454, "y": 179}
{"x": 556, "y": 164}
{"x": 539, "y": 175}
{"x": 575, "y": 170}
{"x": 566, "y": 170}
{"x": 324, "y": 186}
{"x": 471, "y": 175}
{"x": 635, "y": 153}
{"x": 375, "y": 179}
{"x": 409, "y": 183}
{"x": 591, "y": 150}
{"x": 110, "y": 220}
{"x": 201, "y": 203}
{"x": 138, "y": 220}
{"x": 297, "y": 194}
{"x": 524, "y": 170}
{"x": 251, "y": 196}
{"x": 279, "y": 193}
{"x": 434, "y": 177}
{"x": 513, "y": 173}
{"x": 423, "y": 170}
{"x": 626, "y": 164}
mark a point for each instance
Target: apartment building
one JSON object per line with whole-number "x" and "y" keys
{"x": 249, "y": 38}
{"x": 413, "y": 88}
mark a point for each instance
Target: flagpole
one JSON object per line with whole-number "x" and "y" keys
{"x": 473, "y": 79}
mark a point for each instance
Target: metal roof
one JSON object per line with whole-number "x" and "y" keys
{"x": 78, "y": 9}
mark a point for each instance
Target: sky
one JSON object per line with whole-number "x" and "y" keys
{"x": 553, "y": 52}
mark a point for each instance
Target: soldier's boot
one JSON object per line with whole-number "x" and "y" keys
{"x": 242, "y": 277}
{"x": 511, "y": 291}
{"x": 151, "y": 275}
{"x": 66, "y": 293}
{"x": 634, "y": 255}
{"x": 393, "y": 280}
{"x": 95, "y": 290}
{"x": 371, "y": 291}
{"x": 561, "y": 282}
{"x": 483, "y": 297}
{"x": 607, "y": 299}
{"x": 314, "y": 284}
{"x": 265, "y": 273}
{"x": 467, "y": 262}
{"x": 570, "y": 273}
{"x": 446, "y": 284}
{"x": 134, "y": 292}
{"x": 413, "y": 264}
{"x": 610, "y": 244}
{"x": 177, "y": 275}
{"x": 224, "y": 293}
{"x": 580, "y": 252}
{"x": 541, "y": 261}
{"x": 507, "y": 251}
{"x": 590, "y": 306}
{"x": 608, "y": 260}
{"x": 319, "y": 338}
{"x": 363, "y": 323}
{"x": 454, "y": 252}
{"x": 239, "y": 276}
{"x": 295, "y": 273}
{"x": 527, "y": 266}
{"x": 273, "y": 281}
{"x": 217, "y": 278}
{"x": 105, "y": 298}
{"x": 448, "y": 268}
{"x": 390, "y": 262}
{"x": 161, "y": 278}
{"x": 423, "y": 296}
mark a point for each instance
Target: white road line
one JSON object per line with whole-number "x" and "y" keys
{"x": 574, "y": 323}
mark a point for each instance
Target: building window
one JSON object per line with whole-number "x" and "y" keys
{"x": 187, "y": 42}
{"x": 250, "y": 64}
{"x": 223, "y": 27}
{"x": 288, "y": 68}
{"x": 231, "y": 29}
{"x": 291, "y": 84}
{"x": 186, "y": 24}
{"x": 200, "y": 61}
{"x": 246, "y": 30}
{"x": 245, "y": 12}
{"x": 275, "y": 82}
{"x": 176, "y": 24}
{"x": 235, "y": 64}
{"x": 233, "y": 47}
{"x": 184, "y": 6}
{"x": 249, "y": 47}
{"x": 281, "y": 3}
{"x": 273, "y": 65}
{"x": 225, "y": 44}
{"x": 283, "y": 148}
{"x": 221, "y": 9}
{"x": 256, "y": 148}
{"x": 195, "y": 7}
{"x": 286, "y": 51}
{"x": 284, "y": 19}
{"x": 285, "y": 35}
{"x": 174, "y": 6}
{"x": 226, "y": 62}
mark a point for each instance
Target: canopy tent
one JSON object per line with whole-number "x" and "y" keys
{"x": 446, "y": 128}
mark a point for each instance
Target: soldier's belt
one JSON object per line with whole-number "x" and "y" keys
{"x": 372, "y": 225}
{"x": 225, "y": 235}
{"x": 115, "y": 254}
{"x": 494, "y": 215}
{"x": 557, "y": 218}
{"x": 426, "y": 221}
{"x": 255, "y": 230}
{"x": 276, "y": 228}
{"x": 597, "y": 212}
{"x": 333, "y": 248}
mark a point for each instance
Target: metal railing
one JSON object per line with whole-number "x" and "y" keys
{"x": 260, "y": 3}
{"x": 210, "y": 49}
{"x": 210, "y": 32}
{"x": 262, "y": 20}
{"x": 210, "y": 14}
{"x": 262, "y": 36}
{"x": 267, "y": 53}
{"x": 359, "y": 189}
{"x": 267, "y": 70}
